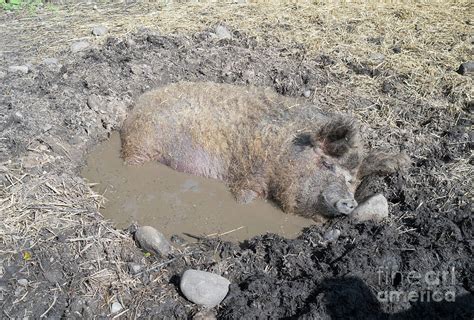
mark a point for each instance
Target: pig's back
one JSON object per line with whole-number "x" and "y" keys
{"x": 207, "y": 125}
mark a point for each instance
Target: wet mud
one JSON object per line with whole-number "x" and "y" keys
{"x": 177, "y": 203}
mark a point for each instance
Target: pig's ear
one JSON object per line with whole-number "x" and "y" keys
{"x": 337, "y": 137}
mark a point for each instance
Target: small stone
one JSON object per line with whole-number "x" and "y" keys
{"x": 53, "y": 276}
{"x": 223, "y": 33}
{"x": 332, "y": 235}
{"x": 18, "y": 69}
{"x": 134, "y": 268}
{"x": 375, "y": 208}
{"x": 153, "y": 241}
{"x": 79, "y": 46}
{"x": 115, "y": 307}
{"x": 23, "y": 282}
{"x": 205, "y": 314}
{"x": 397, "y": 49}
{"x": 204, "y": 288}
{"x": 50, "y": 61}
{"x": 17, "y": 117}
{"x": 377, "y": 57}
{"x": 177, "y": 240}
{"x": 99, "y": 31}
{"x": 47, "y": 127}
{"x": 131, "y": 43}
{"x": 466, "y": 68}
{"x": 93, "y": 102}
{"x": 307, "y": 93}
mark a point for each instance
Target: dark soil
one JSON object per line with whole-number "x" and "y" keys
{"x": 431, "y": 228}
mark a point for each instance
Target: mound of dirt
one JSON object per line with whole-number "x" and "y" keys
{"x": 61, "y": 259}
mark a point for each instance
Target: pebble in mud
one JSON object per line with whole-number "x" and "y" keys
{"x": 134, "y": 268}
{"x": 115, "y": 307}
{"x": 332, "y": 235}
{"x": 377, "y": 58}
{"x": 79, "y": 46}
{"x": 177, "y": 240}
{"x": 223, "y": 33}
{"x": 99, "y": 31}
{"x": 17, "y": 117}
{"x": 153, "y": 241}
{"x": 23, "y": 282}
{"x": 204, "y": 288}
{"x": 375, "y": 208}
{"x": 466, "y": 68}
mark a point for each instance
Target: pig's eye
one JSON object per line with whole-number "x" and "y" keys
{"x": 329, "y": 166}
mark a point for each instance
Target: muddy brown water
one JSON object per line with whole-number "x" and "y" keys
{"x": 178, "y": 203}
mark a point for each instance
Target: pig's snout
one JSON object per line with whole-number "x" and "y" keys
{"x": 346, "y": 206}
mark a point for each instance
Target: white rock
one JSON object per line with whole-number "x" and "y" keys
{"x": 93, "y": 102}
{"x": 79, "y": 46}
{"x": 17, "y": 117}
{"x": 204, "y": 288}
{"x": 223, "y": 33}
{"x": 99, "y": 30}
{"x": 377, "y": 57}
{"x": 332, "y": 235}
{"x": 18, "y": 69}
{"x": 375, "y": 208}
{"x": 115, "y": 307}
{"x": 134, "y": 268}
{"x": 23, "y": 282}
{"x": 307, "y": 93}
{"x": 153, "y": 241}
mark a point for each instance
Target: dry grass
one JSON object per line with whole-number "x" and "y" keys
{"x": 434, "y": 37}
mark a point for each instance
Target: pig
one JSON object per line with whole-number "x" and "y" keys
{"x": 260, "y": 143}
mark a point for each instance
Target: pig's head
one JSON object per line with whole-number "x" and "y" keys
{"x": 323, "y": 187}
{"x": 320, "y": 182}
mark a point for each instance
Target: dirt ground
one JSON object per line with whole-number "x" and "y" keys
{"x": 393, "y": 68}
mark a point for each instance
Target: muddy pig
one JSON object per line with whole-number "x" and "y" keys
{"x": 261, "y": 144}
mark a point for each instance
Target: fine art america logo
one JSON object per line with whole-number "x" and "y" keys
{"x": 437, "y": 285}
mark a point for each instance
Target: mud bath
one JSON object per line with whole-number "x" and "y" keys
{"x": 179, "y": 203}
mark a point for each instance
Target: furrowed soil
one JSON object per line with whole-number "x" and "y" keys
{"x": 61, "y": 258}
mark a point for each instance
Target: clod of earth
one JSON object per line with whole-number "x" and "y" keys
{"x": 204, "y": 288}
{"x": 375, "y": 208}
{"x": 153, "y": 241}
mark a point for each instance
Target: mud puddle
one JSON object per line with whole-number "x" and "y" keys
{"x": 179, "y": 203}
